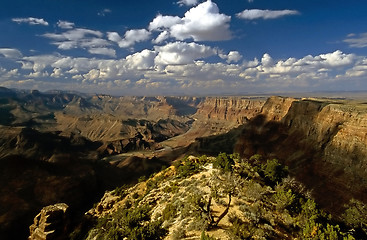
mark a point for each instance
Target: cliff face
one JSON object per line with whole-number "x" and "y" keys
{"x": 233, "y": 109}
{"x": 323, "y": 143}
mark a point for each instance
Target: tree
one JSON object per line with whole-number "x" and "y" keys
{"x": 355, "y": 215}
{"x": 224, "y": 162}
{"x": 274, "y": 171}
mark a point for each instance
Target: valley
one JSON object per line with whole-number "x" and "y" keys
{"x": 63, "y": 147}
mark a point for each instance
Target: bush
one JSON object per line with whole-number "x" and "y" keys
{"x": 283, "y": 198}
{"x": 132, "y": 224}
{"x": 240, "y": 229}
{"x": 187, "y": 168}
{"x": 355, "y": 216}
{"x": 274, "y": 171}
{"x": 224, "y": 162}
{"x": 179, "y": 233}
{"x": 206, "y": 237}
{"x": 121, "y": 191}
{"x": 169, "y": 212}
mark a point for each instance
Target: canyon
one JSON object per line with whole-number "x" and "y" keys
{"x": 72, "y": 147}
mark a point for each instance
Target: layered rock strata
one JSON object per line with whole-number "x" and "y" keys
{"x": 323, "y": 143}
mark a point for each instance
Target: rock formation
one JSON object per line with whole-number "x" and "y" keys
{"x": 232, "y": 109}
{"x": 51, "y": 223}
{"x": 52, "y": 143}
{"x": 323, "y": 143}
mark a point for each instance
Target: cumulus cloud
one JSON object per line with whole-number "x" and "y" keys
{"x": 130, "y": 38}
{"x": 56, "y": 73}
{"x": 203, "y": 23}
{"x": 103, "y": 51}
{"x": 187, "y": 2}
{"x": 38, "y": 63}
{"x": 65, "y": 24}
{"x": 141, "y": 60}
{"x": 10, "y": 53}
{"x": 358, "y": 70}
{"x": 161, "y": 37}
{"x": 181, "y": 66}
{"x": 232, "y": 56}
{"x": 74, "y": 36}
{"x": 182, "y": 53}
{"x": 163, "y": 22}
{"x": 251, "y": 14}
{"x": 31, "y": 21}
{"x": 356, "y": 41}
{"x": 90, "y": 40}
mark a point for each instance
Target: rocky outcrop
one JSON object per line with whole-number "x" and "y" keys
{"x": 51, "y": 223}
{"x": 231, "y": 109}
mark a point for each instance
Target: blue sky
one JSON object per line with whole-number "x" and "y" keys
{"x": 184, "y": 47}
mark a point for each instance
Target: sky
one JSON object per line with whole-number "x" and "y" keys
{"x": 184, "y": 47}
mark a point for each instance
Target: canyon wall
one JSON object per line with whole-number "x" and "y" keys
{"x": 324, "y": 143}
{"x": 231, "y": 109}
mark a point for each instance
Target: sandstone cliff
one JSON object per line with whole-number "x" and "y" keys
{"x": 231, "y": 109}
{"x": 323, "y": 143}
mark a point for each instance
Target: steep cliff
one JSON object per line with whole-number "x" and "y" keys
{"x": 323, "y": 142}
{"x": 232, "y": 109}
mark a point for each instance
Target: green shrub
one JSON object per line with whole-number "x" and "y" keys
{"x": 355, "y": 215}
{"x": 240, "y": 229}
{"x": 179, "y": 233}
{"x": 283, "y": 198}
{"x": 206, "y": 237}
{"x": 187, "y": 168}
{"x": 129, "y": 223}
{"x": 169, "y": 212}
{"x": 274, "y": 171}
{"x": 224, "y": 161}
{"x": 121, "y": 191}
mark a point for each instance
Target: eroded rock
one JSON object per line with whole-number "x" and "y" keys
{"x": 51, "y": 223}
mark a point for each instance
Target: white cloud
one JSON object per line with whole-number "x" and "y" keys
{"x": 74, "y": 35}
{"x": 356, "y": 41}
{"x": 57, "y": 72}
{"x": 358, "y": 70}
{"x": 81, "y": 38}
{"x": 104, "y": 12}
{"x": 141, "y": 60}
{"x": 187, "y": 2}
{"x": 65, "y": 24}
{"x": 203, "y": 23}
{"x": 180, "y": 67}
{"x": 103, "y": 51}
{"x": 31, "y": 21}
{"x": 252, "y": 14}
{"x": 130, "y": 38}
{"x": 10, "y": 53}
{"x": 182, "y": 53}
{"x": 38, "y": 63}
{"x": 267, "y": 60}
{"x": 163, "y": 22}
{"x": 232, "y": 56}
{"x": 161, "y": 37}
{"x": 8, "y": 74}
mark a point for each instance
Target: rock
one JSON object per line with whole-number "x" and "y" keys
{"x": 231, "y": 109}
{"x": 51, "y": 223}
{"x": 323, "y": 142}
